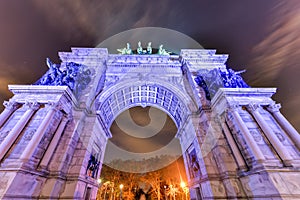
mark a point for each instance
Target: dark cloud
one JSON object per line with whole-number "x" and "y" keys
{"x": 132, "y": 142}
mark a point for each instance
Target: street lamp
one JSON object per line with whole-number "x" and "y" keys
{"x": 121, "y": 187}
{"x": 182, "y": 184}
{"x": 184, "y": 188}
{"x": 99, "y": 189}
{"x": 165, "y": 192}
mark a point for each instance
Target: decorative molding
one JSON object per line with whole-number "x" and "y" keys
{"x": 84, "y": 55}
{"x": 143, "y": 60}
{"x": 203, "y": 59}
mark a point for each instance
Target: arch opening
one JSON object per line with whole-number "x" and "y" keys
{"x": 142, "y": 130}
{"x": 143, "y": 140}
{"x": 115, "y": 110}
{"x": 118, "y": 99}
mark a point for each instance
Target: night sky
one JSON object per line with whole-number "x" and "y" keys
{"x": 259, "y": 36}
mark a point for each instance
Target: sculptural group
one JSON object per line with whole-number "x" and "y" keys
{"x": 141, "y": 51}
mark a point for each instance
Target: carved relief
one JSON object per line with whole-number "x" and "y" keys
{"x": 292, "y": 182}
{"x": 28, "y": 134}
{"x": 256, "y": 135}
{"x": 219, "y": 154}
{"x": 280, "y": 136}
{"x": 194, "y": 164}
{"x": 4, "y": 183}
{"x": 258, "y": 185}
{"x": 136, "y": 60}
{"x": 111, "y": 80}
{"x": 218, "y": 188}
{"x": 3, "y": 135}
{"x": 232, "y": 187}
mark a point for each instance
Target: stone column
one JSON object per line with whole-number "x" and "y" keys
{"x": 10, "y": 107}
{"x": 284, "y": 123}
{"x": 249, "y": 139}
{"x": 236, "y": 152}
{"x": 278, "y": 146}
{"x": 38, "y": 135}
{"x": 16, "y": 130}
{"x": 49, "y": 152}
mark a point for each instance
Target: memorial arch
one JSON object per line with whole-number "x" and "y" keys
{"x": 234, "y": 141}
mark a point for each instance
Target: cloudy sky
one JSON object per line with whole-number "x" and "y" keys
{"x": 260, "y": 36}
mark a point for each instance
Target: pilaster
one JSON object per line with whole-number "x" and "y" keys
{"x": 14, "y": 133}
{"x": 38, "y": 135}
{"x": 10, "y": 107}
{"x": 258, "y": 156}
{"x": 287, "y": 159}
{"x": 284, "y": 123}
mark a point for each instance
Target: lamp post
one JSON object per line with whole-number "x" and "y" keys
{"x": 165, "y": 187}
{"x": 184, "y": 188}
{"x": 99, "y": 189}
{"x": 121, "y": 187}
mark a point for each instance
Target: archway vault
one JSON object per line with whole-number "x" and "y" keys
{"x": 123, "y": 96}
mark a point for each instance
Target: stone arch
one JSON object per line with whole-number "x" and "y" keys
{"x": 123, "y": 96}
{"x": 71, "y": 133}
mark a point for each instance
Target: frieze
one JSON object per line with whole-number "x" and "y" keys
{"x": 82, "y": 55}
{"x": 219, "y": 60}
{"x": 204, "y": 57}
{"x": 138, "y": 60}
{"x": 192, "y": 53}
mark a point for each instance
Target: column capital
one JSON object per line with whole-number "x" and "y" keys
{"x": 222, "y": 118}
{"x": 252, "y": 107}
{"x": 10, "y": 105}
{"x": 33, "y": 105}
{"x": 54, "y": 105}
{"x": 233, "y": 106}
{"x": 67, "y": 117}
{"x": 274, "y": 107}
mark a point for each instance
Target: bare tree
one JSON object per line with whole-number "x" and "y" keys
{"x": 155, "y": 181}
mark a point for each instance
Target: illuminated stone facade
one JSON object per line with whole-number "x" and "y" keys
{"x": 235, "y": 142}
